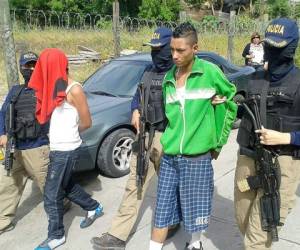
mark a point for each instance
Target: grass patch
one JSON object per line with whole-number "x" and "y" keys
{"x": 102, "y": 41}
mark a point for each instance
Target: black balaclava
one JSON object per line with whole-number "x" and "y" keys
{"x": 280, "y": 60}
{"x": 162, "y": 58}
{"x": 26, "y": 73}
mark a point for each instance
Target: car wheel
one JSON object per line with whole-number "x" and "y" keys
{"x": 115, "y": 153}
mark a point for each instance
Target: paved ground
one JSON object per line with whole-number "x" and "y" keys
{"x": 223, "y": 234}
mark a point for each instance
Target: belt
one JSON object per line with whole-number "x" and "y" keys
{"x": 204, "y": 155}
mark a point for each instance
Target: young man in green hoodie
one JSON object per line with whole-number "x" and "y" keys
{"x": 196, "y": 127}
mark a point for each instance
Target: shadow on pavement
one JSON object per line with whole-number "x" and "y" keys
{"x": 30, "y": 202}
{"x": 223, "y": 231}
{"x": 90, "y": 182}
{"x": 149, "y": 202}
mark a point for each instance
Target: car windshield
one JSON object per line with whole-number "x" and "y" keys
{"x": 117, "y": 78}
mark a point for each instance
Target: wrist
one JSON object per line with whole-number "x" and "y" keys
{"x": 136, "y": 112}
{"x": 287, "y": 138}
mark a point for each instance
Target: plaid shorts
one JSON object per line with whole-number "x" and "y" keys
{"x": 185, "y": 191}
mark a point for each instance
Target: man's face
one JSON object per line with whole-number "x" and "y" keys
{"x": 183, "y": 51}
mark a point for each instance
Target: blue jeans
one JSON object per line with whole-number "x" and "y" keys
{"x": 60, "y": 184}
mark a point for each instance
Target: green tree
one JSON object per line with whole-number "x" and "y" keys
{"x": 127, "y": 7}
{"x": 165, "y": 10}
{"x": 195, "y": 3}
{"x": 279, "y": 8}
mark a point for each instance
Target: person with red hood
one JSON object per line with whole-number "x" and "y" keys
{"x": 63, "y": 100}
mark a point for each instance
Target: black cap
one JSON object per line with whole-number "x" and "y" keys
{"x": 160, "y": 37}
{"x": 281, "y": 32}
{"x": 28, "y": 57}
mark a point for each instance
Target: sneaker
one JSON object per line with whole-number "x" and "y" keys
{"x": 108, "y": 242}
{"x": 173, "y": 230}
{"x": 50, "y": 244}
{"x": 8, "y": 228}
{"x": 87, "y": 221}
{"x": 194, "y": 248}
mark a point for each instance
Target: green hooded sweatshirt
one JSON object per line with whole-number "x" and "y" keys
{"x": 197, "y": 126}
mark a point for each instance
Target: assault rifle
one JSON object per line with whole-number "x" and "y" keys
{"x": 11, "y": 141}
{"x": 142, "y": 155}
{"x": 268, "y": 174}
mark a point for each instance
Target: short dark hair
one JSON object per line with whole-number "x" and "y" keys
{"x": 186, "y": 30}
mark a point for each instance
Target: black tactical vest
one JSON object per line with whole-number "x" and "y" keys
{"x": 26, "y": 125}
{"x": 279, "y": 105}
{"x": 154, "y": 105}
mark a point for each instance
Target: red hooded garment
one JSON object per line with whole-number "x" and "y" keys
{"x": 49, "y": 80}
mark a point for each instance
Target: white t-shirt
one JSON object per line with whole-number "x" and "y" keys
{"x": 180, "y": 92}
{"x": 258, "y": 51}
{"x": 64, "y": 123}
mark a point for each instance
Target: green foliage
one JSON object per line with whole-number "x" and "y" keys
{"x": 166, "y": 10}
{"x": 19, "y": 4}
{"x": 279, "y": 8}
{"x": 297, "y": 11}
{"x": 297, "y": 57}
{"x": 210, "y": 22}
{"x": 127, "y": 7}
{"x": 258, "y": 8}
{"x": 244, "y": 23}
{"x": 195, "y": 3}
{"x": 104, "y": 25}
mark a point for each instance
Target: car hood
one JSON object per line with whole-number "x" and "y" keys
{"x": 102, "y": 102}
{"x": 242, "y": 71}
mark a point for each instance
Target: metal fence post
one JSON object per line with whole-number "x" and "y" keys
{"x": 182, "y": 16}
{"x": 8, "y": 45}
{"x": 116, "y": 28}
{"x": 231, "y": 30}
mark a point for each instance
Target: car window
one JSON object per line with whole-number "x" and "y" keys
{"x": 117, "y": 78}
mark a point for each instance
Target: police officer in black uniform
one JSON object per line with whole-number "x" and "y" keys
{"x": 278, "y": 97}
{"x": 125, "y": 219}
{"x": 32, "y": 151}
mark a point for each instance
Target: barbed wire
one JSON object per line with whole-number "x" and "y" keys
{"x": 70, "y": 20}
{"x": 40, "y": 19}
